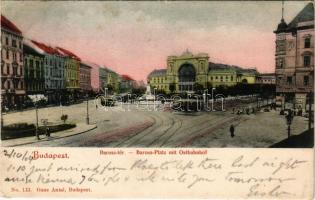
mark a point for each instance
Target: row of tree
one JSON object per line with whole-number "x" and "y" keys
{"x": 264, "y": 90}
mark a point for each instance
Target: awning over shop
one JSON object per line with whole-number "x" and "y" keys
{"x": 37, "y": 97}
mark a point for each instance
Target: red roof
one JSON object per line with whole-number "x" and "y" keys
{"x": 7, "y": 24}
{"x": 126, "y": 78}
{"x": 69, "y": 53}
{"x": 46, "y": 48}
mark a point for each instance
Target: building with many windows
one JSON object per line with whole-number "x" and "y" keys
{"x": 294, "y": 58}
{"x": 187, "y": 72}
{"x": 54, "y": 71}
{"x": 109, "y": 79}
{"x": 12, "y": 66}
{"x": 267, "y": 78}
{"x": 71, "y": 69}
{"x": 85, "y": 76}
{"x": 127, "y": 83}
{"x": 34, "y": 74}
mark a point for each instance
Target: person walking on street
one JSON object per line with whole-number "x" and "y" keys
{"x": 232, "y": 129}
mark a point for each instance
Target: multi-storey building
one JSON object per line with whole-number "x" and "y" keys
{"x": 71, "y": 69}
{"x": 294, "y": 58}
{"x": 186, "y": 71}
{"x": 71, "y": 74}
{"x": 85, "y": 76}
{"x": 267, "y": 78}
{"x": 34, "y": 74}
{"x": 127, "y": 83}
{"x": 12, "y": 72}
{"x": 109, "y": 79}
{"x": 54, "y": 71}
{"x": 103, "y": 71}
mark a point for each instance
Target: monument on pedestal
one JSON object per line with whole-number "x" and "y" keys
{"x": 148, "y": 95}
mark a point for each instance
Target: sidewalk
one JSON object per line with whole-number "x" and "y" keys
{"x": 80, "y": 128}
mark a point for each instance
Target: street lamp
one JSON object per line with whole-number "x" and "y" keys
{"x": 289, "y": 119}
{"x": 310, "y": 113}
{"x": 212, "y": 95}
{"x": 87, "y": 110}
{"x": 36, "y": 110}
{"x": 154, "y": 97}
{"x": 106, "y": 89}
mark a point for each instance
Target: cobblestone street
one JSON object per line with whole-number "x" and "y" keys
{"x": 136, "y": 126}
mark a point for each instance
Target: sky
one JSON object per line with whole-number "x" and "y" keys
{"x": 135, "y": 38}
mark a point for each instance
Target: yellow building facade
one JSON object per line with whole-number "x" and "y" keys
{"x": 186, "y": 72}
{"x": 72, "y": 73}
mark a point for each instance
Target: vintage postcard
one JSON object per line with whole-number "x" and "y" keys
{"x": 157, "y": 99}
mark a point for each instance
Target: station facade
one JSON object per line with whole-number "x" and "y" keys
{"x": 188, "y": 72}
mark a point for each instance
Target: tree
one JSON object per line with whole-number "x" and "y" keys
{"x": 198, "y": 88}
{"x": 172, "y": 87}
{"x": 64, "y": 118}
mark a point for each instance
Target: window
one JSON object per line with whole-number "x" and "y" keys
{"x": 306, "y": 80}
{"x": 31, "y": 64}
{"x": 8, "y": 68}
{"x": 14, "y": 56}
{"x": 231, "y": 78}
{"x": 216, "y": 77}
{"x": 2, "y": 68}
{"x": 7, "y": 41}
{"x": 14, "y": 71}
{"x": 7, "y": 51}
{"x": 307, "y": 43}
{"x": 280, "y": 62}
{"x": 307, "y": 61}
{"x": 20, "y": 45}
{"x": 9, "y": 85}
{"x": 14, "y": 43}
{"x": 289, "y": 80}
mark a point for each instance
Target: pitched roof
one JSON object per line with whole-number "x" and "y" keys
{"x": 7, "y": 24}
{"x": 158, "y": 72}
{"x": 46, "y": 49}
{"x": 68, "y": 53}
{"x": 29, "y": 49}
{"x": 126, "y": 77}
{"x": 29, "y": 43}
{"x": 90, "y": 64}
{"x": 225, "y": 67}
{"x": 307, "y": 14}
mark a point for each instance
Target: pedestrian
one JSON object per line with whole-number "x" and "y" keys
{"x": 232, "y": 130}
{"x": 48, "y": 132}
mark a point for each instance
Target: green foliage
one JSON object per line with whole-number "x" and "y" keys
{"x": 198, "y": 88}
{"x": 172, "y": 87}
{"x": 19, "y": 126}
{"x": 138, "y": 91}
{"x": 64, "y": 118}
{"x": 29, "y": 130}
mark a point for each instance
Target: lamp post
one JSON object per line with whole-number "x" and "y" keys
{"x": 212, "y": 95}
{"x": 154, "y": 97}
{"x": 205, "y": 96}
{"x": 87, "y": 110}
{"x": 289, "y": 119}
{"x": 106, "y": 89}
{"x": 310, "y": 113}
{"x": 36, "y": 110}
